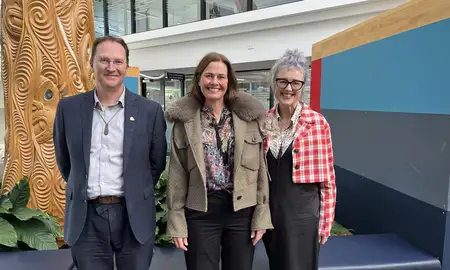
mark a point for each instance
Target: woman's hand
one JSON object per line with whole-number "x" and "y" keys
{"x": 180, "y": 242}
{"x": 323, "y": 239}
{"x": 257, "y": 235}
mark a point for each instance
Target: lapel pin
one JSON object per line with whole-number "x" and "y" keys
{"x": 131, "y": 118}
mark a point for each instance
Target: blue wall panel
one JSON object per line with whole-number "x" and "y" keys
{"x": 132, "y": 83}
{"x": 408, "y": 72}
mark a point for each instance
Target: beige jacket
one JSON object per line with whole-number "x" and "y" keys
{"x": 187, "y": 171}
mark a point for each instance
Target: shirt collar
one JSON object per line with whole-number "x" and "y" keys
{"x": 295, "y": 116}
{"x": 121, "y": 100}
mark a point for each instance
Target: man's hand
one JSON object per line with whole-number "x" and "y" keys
{"x": 180, "y": 242}
{"x": 257, "y": 235}
{"x": 323, "y": 239}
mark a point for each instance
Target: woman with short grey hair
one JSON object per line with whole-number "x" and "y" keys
{"x": 299, "y": 155}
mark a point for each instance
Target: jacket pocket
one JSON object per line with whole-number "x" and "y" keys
{"x": 185, "y": 153}
{"x": 251, "y": 151}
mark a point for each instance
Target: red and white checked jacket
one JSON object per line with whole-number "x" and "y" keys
{"x": 313, "y": 161}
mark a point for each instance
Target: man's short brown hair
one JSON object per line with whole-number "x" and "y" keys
{"x": 100, "y": 40}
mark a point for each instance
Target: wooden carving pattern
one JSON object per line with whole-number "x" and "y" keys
{"x": 45, "y": 56}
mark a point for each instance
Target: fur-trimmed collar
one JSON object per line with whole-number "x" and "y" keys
{"x": 245, "y": 106}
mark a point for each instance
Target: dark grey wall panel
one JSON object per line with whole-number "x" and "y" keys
{"x": 407, "y": 152}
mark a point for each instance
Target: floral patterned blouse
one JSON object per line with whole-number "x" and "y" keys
{"x": 218, "y": 147}
{"x": 281, "y": 140}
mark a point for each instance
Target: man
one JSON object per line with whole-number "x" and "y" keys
{"x": 111, "y": 149}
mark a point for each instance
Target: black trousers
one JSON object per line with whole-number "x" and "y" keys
{"x": 219, "y": 234}
{"x": 106, "y": 233}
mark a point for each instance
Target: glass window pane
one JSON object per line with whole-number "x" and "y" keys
{"x": 99, "y": 19}
{"x": 256, "y": 83}
{"x": 182, "y": 11}
{"x": 259, "y": 4}
{"x": 154, "y": 91}
{"x": 220, "y": 8}
{"x": 119, "y": 17}
{"x": 172, "y": 91}
{"x": 188, "y": 83}
{"x": 148, "y": 15}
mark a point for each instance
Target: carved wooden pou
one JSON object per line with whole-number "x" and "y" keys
{"x": 45, "y": 56}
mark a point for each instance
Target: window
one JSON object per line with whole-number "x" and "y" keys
{"x": 99, "y": 18}
{"x": 182, "y": 11}
{"x": 124, "y": 17}
{"x": 119, "y": 17}
{"x": 259, "y": 4}
{"x": 220, "y": 8}
{"x": 256, "y": 83}
{"x": 148, "y": 15}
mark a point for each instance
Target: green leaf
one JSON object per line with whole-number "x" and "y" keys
{"x": 8, "y": 236}
{"x": 6, "y": 203}
{"x": 35, "y": 234}
{"x": 51, "y": 224}
{"x": 164, "y": 207}
{"x": 20, "y": 193}
{"x": 159, "y": 215}
{"x": 24, "y": 214}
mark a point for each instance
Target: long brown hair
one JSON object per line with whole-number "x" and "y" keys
{"x": 232, "y": 88}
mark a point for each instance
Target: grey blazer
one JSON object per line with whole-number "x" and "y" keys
{"x": 144, "y": 157}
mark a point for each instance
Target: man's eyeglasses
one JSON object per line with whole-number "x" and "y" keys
{"x": 296, "y": 85}
{"x": 107, "y": 61}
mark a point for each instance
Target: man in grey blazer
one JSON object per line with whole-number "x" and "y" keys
{"x": 111, "y": 150}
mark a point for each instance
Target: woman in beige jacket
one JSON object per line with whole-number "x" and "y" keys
{"x": 218, "y": 187}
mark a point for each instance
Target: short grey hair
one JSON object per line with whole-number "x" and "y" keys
{"x": 290, "y": 59}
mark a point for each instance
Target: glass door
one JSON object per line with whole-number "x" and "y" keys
{"x": 154, "y": 90}
{"x": 165, "y": 90}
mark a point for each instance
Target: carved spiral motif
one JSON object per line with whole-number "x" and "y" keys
{"x": 84, "y": 56}
{"x": 23, "y": 73}
{"x": 64, "y": 10}
{"x": 41, "y": 62}
{"x": 5, "y": 68}
{"x": 76, "y": 84}
{"x": 40, "y": 186}
{"x": 23, "y": 143}
{"x": 48, "y": 158}
{"x": 59, "y": 192}
{"x": 43, "y": 26}
{"x": 11, "y": 173}
{"x": 81, "y": 22}
{"x": 13, "y": 14}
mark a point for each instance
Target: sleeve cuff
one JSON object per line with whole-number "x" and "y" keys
{"x": 261, "y": 219}
{"x": 176, "y": 224}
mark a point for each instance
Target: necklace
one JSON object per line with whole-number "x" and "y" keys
{"x": 106, "y": 130}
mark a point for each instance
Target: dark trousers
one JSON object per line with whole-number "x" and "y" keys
{"x": 106, "y": 233}
{"x": 219, "y": 234}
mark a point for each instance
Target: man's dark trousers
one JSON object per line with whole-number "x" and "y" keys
{"x": 106, "y": 232}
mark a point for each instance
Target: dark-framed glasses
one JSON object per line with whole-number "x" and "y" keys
{"x": 296, "y": 85}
